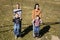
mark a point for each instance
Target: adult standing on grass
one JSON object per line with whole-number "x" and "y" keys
{"x": 19, "y": 12}
{"x": 35, "y": 12}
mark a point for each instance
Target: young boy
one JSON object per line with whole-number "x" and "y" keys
{"x": 37, "y": 23}
{"x": 16, "y": 21}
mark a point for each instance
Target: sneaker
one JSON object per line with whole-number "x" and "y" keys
{"x": 34, "y": 36}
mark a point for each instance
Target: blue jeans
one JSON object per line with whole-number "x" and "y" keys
{"x": 36, "y": 29}
{"x": 16, "y": 29}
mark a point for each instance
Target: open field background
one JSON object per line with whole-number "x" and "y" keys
{"x": 50, "y": 16}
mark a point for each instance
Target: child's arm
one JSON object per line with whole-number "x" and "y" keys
{"x": 33, "y": 21}
{"x": 41, "y": 21}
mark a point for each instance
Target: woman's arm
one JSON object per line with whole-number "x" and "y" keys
{"x": 33, "y": 15}
{"x": 40, "y": 13}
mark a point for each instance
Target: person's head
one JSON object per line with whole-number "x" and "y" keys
{"x": 37, "y": 17}
{"x": 16, "y": 15}
{"x": 18, "y": 6}
{"x": 36, "y": 6}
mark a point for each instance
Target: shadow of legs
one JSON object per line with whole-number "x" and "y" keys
{"x": 44, "y": 30}
{"x": 26, "y": 31}
{"x": 51, "y": 23}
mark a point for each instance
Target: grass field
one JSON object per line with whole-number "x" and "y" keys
{"x": 50, "y": 16}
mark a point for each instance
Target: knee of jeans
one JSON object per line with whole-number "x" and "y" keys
{"x": 14, "y": 28}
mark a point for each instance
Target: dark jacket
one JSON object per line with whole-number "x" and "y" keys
{"x": 16, "y": 20}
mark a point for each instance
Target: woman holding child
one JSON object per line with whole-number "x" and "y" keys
{"x": 36, "y": 14}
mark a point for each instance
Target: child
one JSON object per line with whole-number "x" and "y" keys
{"x": 37, "y": 22}
{"x": 16, "y": 21}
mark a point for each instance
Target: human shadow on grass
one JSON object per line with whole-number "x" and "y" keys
{"x": 26, "y": 31}
{"x": 44, "y": 30}
{"x": 10, "y": 25}
{"x": 30, "y": 27}
{"x": 50, "y": 23}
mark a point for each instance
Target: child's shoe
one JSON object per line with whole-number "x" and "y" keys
{"x": 34, "y": 36}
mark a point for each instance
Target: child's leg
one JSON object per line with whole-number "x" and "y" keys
{"x": 37, "y": 31}
{"x": 33, "y": 30}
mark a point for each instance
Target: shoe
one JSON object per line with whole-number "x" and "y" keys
{"x": 34, "y": 36}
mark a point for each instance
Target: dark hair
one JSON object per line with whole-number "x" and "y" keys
{"x": 35, "y": 6}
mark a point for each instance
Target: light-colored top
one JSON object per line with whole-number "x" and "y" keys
{"x": 19, "y": 11}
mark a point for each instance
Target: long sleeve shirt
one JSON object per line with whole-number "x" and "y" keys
{"x": 36, "y": 12}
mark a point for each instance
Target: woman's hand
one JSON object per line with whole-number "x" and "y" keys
{"x": 41, "y": 21}
{"x": 33, "y": 21}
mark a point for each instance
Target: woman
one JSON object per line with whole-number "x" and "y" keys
{"x": 19, "y": 12}
{"x": 35, "y": 12}
{"x": 16, "y": 21}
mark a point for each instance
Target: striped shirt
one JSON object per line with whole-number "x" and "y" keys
{"x": 19, "y": 11}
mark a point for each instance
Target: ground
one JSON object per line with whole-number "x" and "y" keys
{"x": 49, "y": 29}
